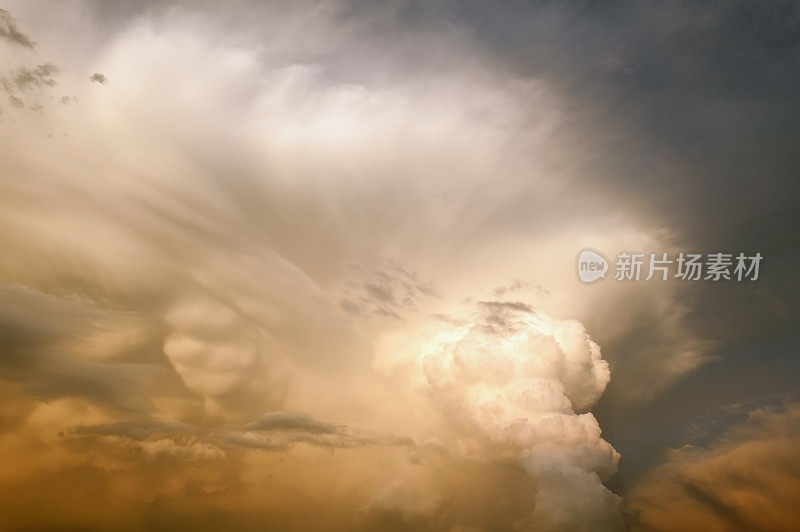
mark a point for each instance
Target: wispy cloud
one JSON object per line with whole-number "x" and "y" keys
{"x": 11, "y": 33}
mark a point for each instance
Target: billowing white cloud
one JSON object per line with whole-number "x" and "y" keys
{"x": 510, "y": 385}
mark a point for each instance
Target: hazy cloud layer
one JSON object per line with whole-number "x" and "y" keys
{"x": 747, "y": 481}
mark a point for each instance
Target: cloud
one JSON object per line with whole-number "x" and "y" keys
{"x": 273, "y": 431}
{"x": 156, "y": 437}
{"x": 50, "y": 351}
{"x": 137, "y": 429}
{"x": 339, "y": 438}
{"x": 287, "y": 421}
{"x": 19, "y": 83}
{"x": 25, "y": 85}
{"x": 184, "y": 251}
{"x": 500, "y": 316}
{"x": 28, "y": 78}
{"x": 748, "y": 480}
{"x": 98, "y": 78}
{"x": 10, "y": 32}
{"x": 189, "y": 450}
{"x": 515, "y": 392}
{"x": 513, "y": 287}
{"x": 390, "y": 292}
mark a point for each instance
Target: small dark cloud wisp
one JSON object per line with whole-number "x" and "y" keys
{"x": 98, "y": 78}
{"x": 11, "y": 33}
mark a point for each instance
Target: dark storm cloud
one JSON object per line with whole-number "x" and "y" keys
{"x": 10, "y": 32}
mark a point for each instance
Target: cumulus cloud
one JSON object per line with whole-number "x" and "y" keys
{"x": 515, "y": 392}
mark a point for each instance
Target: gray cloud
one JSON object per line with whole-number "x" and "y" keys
{"x": 502, "y": 317}
{"x": 10, "y": 32}
{"x": 41, "y": 75}
{"x": 282, "y": 430}
{"x": 23, "y": 84}
{"x": 513, "y": 287}
{"x": 287, "y": 421}
{"x": 273, "y": 431}
{"x": 42, "y": 356}
{"x": 137, "y": 429}
{"x": 390, "y": 292}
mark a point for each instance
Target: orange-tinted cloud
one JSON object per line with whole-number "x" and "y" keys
{"x": 750, "y": 480}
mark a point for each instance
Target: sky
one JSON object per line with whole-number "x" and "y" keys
{"x": 313, "y": 265}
